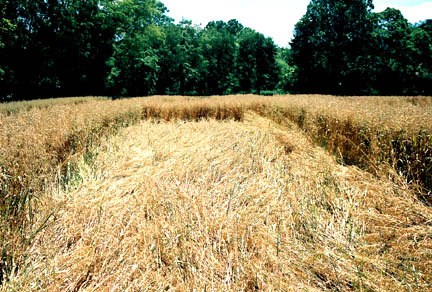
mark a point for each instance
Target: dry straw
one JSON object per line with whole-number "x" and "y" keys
{"x": 226, "y": 206}
{"x": 50, "y": 146}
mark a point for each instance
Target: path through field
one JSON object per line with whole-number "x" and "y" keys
{"x": 229, "y": 206}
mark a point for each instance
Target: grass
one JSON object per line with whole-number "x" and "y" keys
{"x": 227, "y": 206}
{"x": 48, "y": 151}
{"x": 10, "y": 108}
{"x": 381, "y": 135}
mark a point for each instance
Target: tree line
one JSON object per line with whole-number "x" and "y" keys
{"x": 342, "y": 47}
{"x": 132, "y": 48}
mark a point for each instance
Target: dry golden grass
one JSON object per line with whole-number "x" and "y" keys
{"x": 36, "y": 147}
{"x": 36, "y": 144}
{"x": 18, "y": 106}
{"x": 227, "y": 206}
{"x": 411, "y": 114}
{"x": 40, "y": 148}
{"x": 379, "y": 134}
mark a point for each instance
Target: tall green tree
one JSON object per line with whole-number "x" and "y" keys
{"x": 57, "y": 48}
{"x": 80, "y": 45}
{"x": 16, "y": 30}
{"x": 285, "y": 70}
{"x": 180, "y": 60}
{"x": 422, "y": 40}
{"x": 8, "y": 38}
{"x": 401, "y": 55}
{"x": 138, "y": 36}
{"x": 329, "y": 47}
{"x": 256, "y": 62}
{"x": 391, "y": 55}
{"x": 218, "y": 47}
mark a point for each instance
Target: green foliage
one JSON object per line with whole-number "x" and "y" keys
{"x": 342, "y": 47}
{"x": 285, "y": 69}
{"x": 132, "y": 48}
{"x": 134, "y": 64}
{"x": 123, "y": 48}
{"x": 256, "y": 62}
{"x": 56, "y": 48}
{"x": 328, "y": 46}
{"x": 181, "y": 61}
{"x": 218, "y": 44}
{"x": 399, "y": 51}
{"x": 7, "y": 39}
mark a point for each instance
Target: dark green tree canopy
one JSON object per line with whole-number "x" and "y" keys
{"x": 342, "y": 47}
{"x": 328, "y": 41}
{"x": 132, "y": 48}
{"x": 256, "y": 62}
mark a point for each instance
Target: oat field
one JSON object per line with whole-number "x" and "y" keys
{"x": 233, "y": 193}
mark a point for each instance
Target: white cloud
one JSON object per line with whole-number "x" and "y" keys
{"x": 274, "y": 18}
{"x": 414, "y": 13}
{"x": 418, "y": 13}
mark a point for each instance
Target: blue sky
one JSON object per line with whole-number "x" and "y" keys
{"x": 274, "y": 18}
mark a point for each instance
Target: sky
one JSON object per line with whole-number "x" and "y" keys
{"x": 274, "y": 18}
